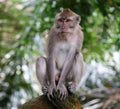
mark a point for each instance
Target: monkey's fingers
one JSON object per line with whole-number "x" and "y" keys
{"x": 59, "y": 93}
{"x": 61, "y": 96}
{"x": 64, "y": 95}
{"x": 49, "y": 97}
{"x": 50, "y": 94}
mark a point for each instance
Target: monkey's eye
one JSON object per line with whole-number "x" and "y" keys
{"x": 71, "y": 26}
{"x": 60, "y": 20}
{"x": 57, "y": 26}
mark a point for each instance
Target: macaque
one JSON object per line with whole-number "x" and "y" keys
{"x": 62, "y": 70}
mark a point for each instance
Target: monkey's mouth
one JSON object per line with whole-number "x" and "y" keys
{"x": 64, "y": 32}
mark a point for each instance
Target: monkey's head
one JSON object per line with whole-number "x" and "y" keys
{"x": 66, "y": 21}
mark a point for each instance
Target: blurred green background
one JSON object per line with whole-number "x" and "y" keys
{"x": 23, "y": 28}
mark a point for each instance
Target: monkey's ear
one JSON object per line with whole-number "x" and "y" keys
{"x": 61, "y": 9}
{"x": 78, "y": 19}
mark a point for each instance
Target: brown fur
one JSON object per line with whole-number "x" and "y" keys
{"x": 67, "y": 13}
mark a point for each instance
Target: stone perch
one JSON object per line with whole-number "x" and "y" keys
{"x": 42, "y": 102}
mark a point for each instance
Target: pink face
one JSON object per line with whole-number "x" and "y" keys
{"x": 65, "y": 24}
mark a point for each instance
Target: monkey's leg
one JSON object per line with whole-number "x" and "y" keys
{"x": 76, "y": 73}
{"x": 41, "y": 69}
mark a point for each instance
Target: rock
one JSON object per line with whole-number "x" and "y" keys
{"x": 42, "y": 102}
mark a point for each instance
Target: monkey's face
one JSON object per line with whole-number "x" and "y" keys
{"x": 66, "y": 25}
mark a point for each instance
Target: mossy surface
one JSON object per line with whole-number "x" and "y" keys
{"x": 42, "y": 102}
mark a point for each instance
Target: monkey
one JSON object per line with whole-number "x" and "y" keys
{"x": 62, "y": 69}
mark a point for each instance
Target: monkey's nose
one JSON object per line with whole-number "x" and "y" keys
{"x": 63, "y": 27}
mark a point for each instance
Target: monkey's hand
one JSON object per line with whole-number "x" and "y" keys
{"x": 62, "y": 91}
{"x": 51, "y": 89}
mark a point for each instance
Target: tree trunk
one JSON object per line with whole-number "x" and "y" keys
{"x": 42, "y": 102}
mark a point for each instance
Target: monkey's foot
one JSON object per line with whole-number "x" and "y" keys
{"x": 72, "y": 88}
{"x": 45, "y": 90}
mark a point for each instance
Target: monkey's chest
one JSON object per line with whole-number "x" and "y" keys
{"x": 61, "y": 54}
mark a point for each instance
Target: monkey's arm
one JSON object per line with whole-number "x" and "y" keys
{"x": 51, "y": 57}
{"x": 67, "y": 65}
{"x": 66, "y": 69}
{"x": 51, "y": 69}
